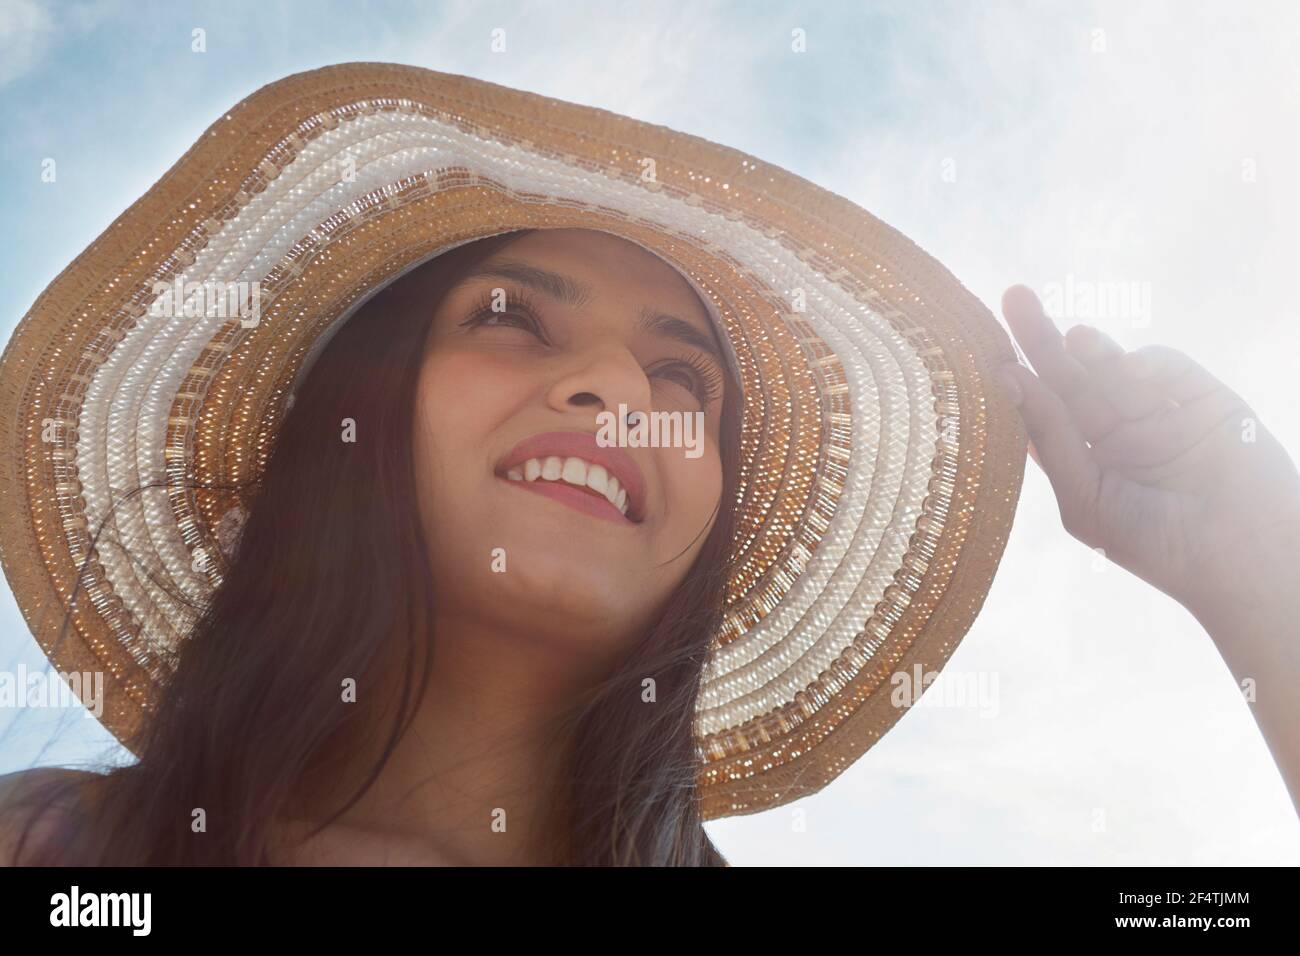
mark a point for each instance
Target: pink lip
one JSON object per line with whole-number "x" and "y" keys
{"x": 581, "y": 445}
{"x": 573, "y": 497}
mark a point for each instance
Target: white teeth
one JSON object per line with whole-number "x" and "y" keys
{"x": 611, "y": 490}
{"x": 597, "y": 479}
{"x": 574, "y": 471}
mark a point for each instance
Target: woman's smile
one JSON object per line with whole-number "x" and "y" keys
{"x": 572, "y": 467}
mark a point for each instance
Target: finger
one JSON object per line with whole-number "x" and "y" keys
{"x": 1062, "y": 452}
{"x": 1062, "y": 371}
{"x": 1173, "y": 432}
{"x": 1042, "y": 342}
{"x": 1093, "y": 348}
{"x": 1129, "y": 395}
{"x": 1173, "y": 372}
{"x": 1132, "y": 397}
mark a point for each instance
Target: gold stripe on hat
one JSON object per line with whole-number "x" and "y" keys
{"x": 797, "y": 414}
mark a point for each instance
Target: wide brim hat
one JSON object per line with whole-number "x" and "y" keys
{"x": 880, "y": 464}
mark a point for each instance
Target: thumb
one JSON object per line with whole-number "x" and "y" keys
{"x": 1059, "y": 449}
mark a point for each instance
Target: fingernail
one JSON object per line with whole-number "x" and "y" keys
{"x": 1020, "y": 297}
{"x": 1082, "y": 341}
{"x": 1010, "y": 384}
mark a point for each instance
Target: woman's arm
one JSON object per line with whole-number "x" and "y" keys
{"x": 1170, "y": 474}
{"x": 1256, "y": 626}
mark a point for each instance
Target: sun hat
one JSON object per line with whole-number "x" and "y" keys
{"x": 880, "y": 464}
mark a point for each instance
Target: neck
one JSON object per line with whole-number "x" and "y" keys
{"x": 477, "y": 773}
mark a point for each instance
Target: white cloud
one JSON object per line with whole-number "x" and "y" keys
{"x": 1124, "y": 163}
{"x": 25, "y": 29}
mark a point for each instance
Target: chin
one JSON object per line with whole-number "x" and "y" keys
{"x": 565, "y": 584}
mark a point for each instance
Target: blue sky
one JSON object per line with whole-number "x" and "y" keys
{"x": 1144, "y": 143}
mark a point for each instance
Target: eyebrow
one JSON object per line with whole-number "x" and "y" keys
{"x": 575, "y": 295}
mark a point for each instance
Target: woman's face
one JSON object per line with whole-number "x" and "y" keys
{"x": 502, "y": 391}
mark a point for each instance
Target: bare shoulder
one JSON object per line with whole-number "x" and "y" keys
{"x": 36, "y": 809}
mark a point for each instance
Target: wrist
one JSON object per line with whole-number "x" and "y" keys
{"x": 1258, "y": 584}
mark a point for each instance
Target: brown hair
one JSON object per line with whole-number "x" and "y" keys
{"x": 329, "y": 567}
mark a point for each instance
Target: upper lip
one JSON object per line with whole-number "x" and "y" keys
{"x": 583, "y": 445}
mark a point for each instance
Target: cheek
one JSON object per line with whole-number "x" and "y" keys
{"x": 460, "y": 391}
{"x": 461, "y": 399}
{"x": 692, "y": 487}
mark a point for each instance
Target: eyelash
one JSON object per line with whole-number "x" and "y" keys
{"x": 708, "y": 383}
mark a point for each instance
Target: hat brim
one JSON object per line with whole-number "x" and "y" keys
{"x": 880, "y": 467}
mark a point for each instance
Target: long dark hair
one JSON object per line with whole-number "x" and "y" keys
{"x": 333, "y": 579}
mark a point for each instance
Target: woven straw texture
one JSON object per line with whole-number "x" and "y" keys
{"x": 880, "y": 468}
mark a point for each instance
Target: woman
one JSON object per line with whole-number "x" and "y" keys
{"x": 581, "y": 608}
{"x": 427, "y": 649}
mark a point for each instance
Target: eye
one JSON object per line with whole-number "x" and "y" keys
{"x": 519, "y": 310}
{"x": 696, "y": 376}
{"x": 693, "y": 372}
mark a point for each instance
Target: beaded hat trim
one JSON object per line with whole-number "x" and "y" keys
{"x": 879, "y": 470}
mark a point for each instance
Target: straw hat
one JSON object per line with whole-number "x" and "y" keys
{"x": 880, "y": 464}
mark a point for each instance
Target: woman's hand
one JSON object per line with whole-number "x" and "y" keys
{"x": 1166, "y": 470}
{"x": 1154, "y": 460}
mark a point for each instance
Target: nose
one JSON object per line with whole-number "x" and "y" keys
{"x": 603, "y": 377}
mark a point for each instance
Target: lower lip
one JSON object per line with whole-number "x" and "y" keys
{"x": 571, "y": 496}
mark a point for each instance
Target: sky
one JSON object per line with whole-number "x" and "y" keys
{"x": 1143, "y": 146}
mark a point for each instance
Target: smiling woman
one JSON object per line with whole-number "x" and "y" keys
{"x": 545, "y": 382}
{"x": 502, "y": 642}
{"x": 367, "y": 578}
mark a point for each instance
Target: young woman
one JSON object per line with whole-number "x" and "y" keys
{"x": 456, "y": 629}
{"x": 499, "y": 714}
